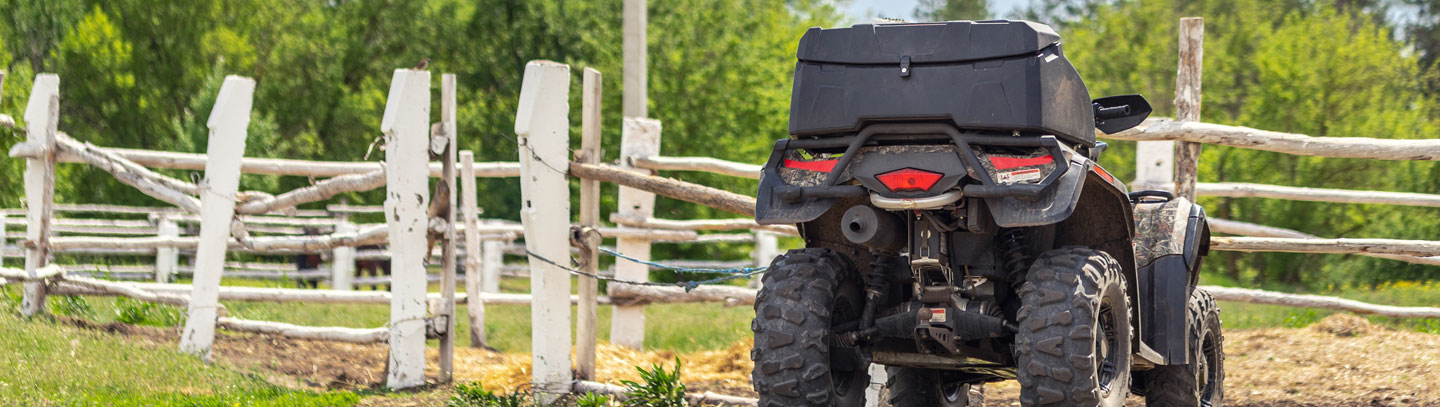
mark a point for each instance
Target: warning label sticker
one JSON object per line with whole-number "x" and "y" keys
{"x": 1018, "y": 176}
{"x": 937, "y": 315}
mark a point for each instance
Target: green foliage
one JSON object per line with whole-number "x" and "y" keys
{"x": 1301, "y": 318}
{"x": 72, "y": 306}
{"x": 658, "y": 387}
{"x": 473, "y": 395}
{"x": 946, "y": 10}
{"x": 1299, "y": 67}
{"x": 145, "y": 313}
{"x": 593, "y": 400}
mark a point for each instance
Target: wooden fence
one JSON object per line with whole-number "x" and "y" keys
{"x": 543, "y": 167}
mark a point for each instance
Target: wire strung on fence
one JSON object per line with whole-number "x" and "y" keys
{"x": 731, "y": 273}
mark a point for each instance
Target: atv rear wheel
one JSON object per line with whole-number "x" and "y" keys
{"x": 806, "y": 293}
{"x": 1073, "y": 348}
{"x": 1201, "y": 382}
{"x": 916, "y": 387}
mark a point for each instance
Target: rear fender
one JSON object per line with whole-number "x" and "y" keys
{"x": 1171, "y": 239}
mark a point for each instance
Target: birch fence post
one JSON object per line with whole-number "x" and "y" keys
{"x": 471, "y": 211}
{"x": 447, "y": 280}
{"x": 1187, "y": 102}
{"x": 589, "y": 153}
{"x": 166, "y": 258}
{"x": 639, "y": 137}
{"x": 407, "y": 156}
{"x": 42, "y": 115}
{"x": 228, "y": 122}
{"x": 767, "y": 246}
{"x": 492, "y": 260}
{"x": 542, "y": 125}
{"x": 342, "y": 262}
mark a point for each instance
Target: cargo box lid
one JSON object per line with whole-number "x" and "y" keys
{"x": 954, "y": 41}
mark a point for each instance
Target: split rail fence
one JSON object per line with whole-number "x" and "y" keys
{"x": 544, "y": 167}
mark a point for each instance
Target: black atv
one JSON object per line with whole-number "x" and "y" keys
{"x": 958, "y": 231}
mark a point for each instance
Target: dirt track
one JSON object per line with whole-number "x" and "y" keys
{"x": 1341, "y": 361}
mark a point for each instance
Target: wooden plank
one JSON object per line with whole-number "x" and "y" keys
{"x": 639, "y": 138}
{"x": 280, "y": 166}
{"x": 320, "y": 191}
{"x": 1253, "y": 296}
{"x": 1187, "y": 102}
{"x": 447, "y": 267}
{"x": 166, "y": 258}
{"x": 542, "y": 126}
{"x": 42, "y": 113}
{"x": 634, "y": 50}
{"x": 704, "y": 164}
{"x": 590, "y": 153}
{"x": 671, "y": 188}
{"x": 1288, "y": 143}
{"x": 1251, "y": 229}
{"x": 1423, "y": 248}
{"x": 407, "y": 140}
{"x": 622, "y": 294}
{"x": 323, "y": 333}
{"x": 492, "y": 260}
{"x": 473, "y": 273}
{"x": 1248, "y": 190}
{"x": 228, "y": 122}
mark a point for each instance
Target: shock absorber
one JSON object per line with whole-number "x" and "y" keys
{"x": 1011, "y": 243}
{"x": 876, "y": 285}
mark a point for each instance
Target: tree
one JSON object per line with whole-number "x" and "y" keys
{"x": 948, "y": 10}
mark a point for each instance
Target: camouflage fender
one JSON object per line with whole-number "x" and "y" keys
{"x": 1170, "y": 239}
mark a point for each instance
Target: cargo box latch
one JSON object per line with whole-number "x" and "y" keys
{"x": 905, "y": 66}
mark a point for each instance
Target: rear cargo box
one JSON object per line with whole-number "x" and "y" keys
{"x": 987, "y": 75}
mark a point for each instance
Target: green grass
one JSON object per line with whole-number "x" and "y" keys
{"x": 50, "y": 363}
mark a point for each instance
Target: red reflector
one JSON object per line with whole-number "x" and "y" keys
{"x": 1005, "y": 163}
{"x": 909, "y": 179}
{"x": 1103, "y": 174}
{"x": 821, "y": 166}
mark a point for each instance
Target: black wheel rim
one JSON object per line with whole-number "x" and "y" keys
{"x": 1107, "y": 345}
{"x": 1209, "y": 370}
{"x": 841, "y": 376}
{"x": 954, "y": 392}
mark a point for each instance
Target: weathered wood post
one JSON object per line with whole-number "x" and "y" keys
{"x": 447, "y": 279}
{"x": 342, "y": 259}
{"x": 407, "y": 177}
{"x": 638, "y": 138}
{"x": 1187, "y": 102}
{"x": 767, "y": 246}
{"x": 3, "y": 240}
{"x": 474, "y": 305}
{"x": 542, "y": 125}
{"x": 166, "y": 258}
{"x": 589, "y": 218}
{"x": 228, "y": 122}
{"x": 492, "y": 260}
{"x": 42, "y": 115}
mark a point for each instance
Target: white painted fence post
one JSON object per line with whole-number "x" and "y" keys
{"x": 542, "y": 124}
{"x": 3, "y": 239}
{"x": 492, "y": 260}
{"x": 42, "y": 115}
{"x": 638, "y": 138}
{"x": 767, "y": 246}
{"x": 166, "y": 258}
{"x": 471, "y": 211}
{"x": 228, "y": 122}
{"x": 407, "y": 198}
{"x": 342, "y": 262}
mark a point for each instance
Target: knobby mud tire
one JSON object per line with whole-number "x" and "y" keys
{"x": 804, "y": 291}
{"x": 1200, "y": 382}
{"x": 915, "y": 387}
{"x": 1063, "y": 355}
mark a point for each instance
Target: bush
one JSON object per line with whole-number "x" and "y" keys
{"x": 473, "y": 395}
{"x": 593, "y": 400}
{"x": 660, "y": 388}
{"x": 136, "y": 312}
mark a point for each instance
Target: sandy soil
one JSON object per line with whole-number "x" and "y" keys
{"x": 1340, "y": 361}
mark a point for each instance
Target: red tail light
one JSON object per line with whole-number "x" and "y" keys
{"x": 909, "y": 179}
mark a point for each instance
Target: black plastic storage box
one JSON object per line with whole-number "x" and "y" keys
{"x": 985, "y": 75}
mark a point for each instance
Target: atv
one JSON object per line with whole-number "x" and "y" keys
{"x": 959, "y": 231}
